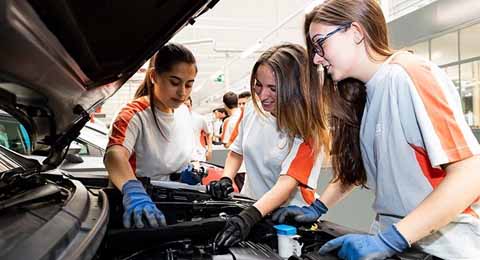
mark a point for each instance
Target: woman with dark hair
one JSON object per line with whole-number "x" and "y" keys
{"x": 152, "y": 136}
{"x": 281, "y": 140}
{"x": 402, "y": 115}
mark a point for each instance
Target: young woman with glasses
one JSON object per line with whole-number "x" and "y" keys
{"x": 398, "y": 128}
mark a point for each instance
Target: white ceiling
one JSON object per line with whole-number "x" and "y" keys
{"x": 219, "y": 37}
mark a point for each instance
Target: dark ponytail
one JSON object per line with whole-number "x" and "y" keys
{"x": 163, "y": 61}
{"x": 146, "y": 86}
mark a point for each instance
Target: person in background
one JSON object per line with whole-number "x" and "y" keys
{"x": 201, "y": 134}
{"x": 152, "y": 136}
{"x": 230, "y": 100}
{"x": 220, "y": 114}
{"x": 281, "y": 141}
{"x": 398, "y": 128}
{"x": 243, "y": 98}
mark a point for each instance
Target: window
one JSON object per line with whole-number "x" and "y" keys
{"x": 470, "y": 93}
{"x": 469, "y": 39}
{"x": 13, "y": 135}
{"x": 445, "y": 48}
{"x": 453, "y": 74}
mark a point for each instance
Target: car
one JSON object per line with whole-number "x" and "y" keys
{"x": 85, "y": 153}
{"x": 60, "y": 60}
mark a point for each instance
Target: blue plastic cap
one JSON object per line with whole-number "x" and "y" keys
{"x": 285, "y": 230}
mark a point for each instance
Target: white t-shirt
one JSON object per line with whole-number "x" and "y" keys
{"x": 267, "y": 155}
{"x": 152, "y": 154}
{"x": 199, "y": 125}
{"x": 232, "y": 121}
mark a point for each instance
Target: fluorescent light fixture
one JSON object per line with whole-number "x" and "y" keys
{"x": 312, "y": 5}
{"x": 251, "y": 49}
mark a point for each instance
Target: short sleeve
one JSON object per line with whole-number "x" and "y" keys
{"x": 125, "y": 129}
{"x": 236, "y": 146}
{"x": 302, "y": 164}
{"x": 436, "y": 111}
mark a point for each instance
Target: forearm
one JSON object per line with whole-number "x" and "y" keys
{"x": 334, "y": 193}
{"x": 279, "y": 193}
{"x": 118, "y": 167}
{"x": 232, "y": 164}
{"x": 455, "y": 193}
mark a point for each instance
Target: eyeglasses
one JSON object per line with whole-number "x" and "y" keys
{"x": 319, "y": 39}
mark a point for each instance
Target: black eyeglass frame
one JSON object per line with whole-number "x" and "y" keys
{"x": 318, "y": 39}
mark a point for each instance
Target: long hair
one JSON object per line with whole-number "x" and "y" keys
{"x": 346, "y": 99}
{"x": 163, "y": 61}
{"x": 299, "y": 111}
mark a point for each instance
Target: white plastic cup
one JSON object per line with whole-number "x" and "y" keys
{"x": 287, "y": 241}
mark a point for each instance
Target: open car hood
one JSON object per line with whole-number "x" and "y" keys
{"x": 61, "y": 59}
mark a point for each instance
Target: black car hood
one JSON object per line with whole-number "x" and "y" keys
{"x": 61, "y": 59}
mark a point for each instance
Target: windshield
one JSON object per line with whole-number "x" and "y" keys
{"x": 13, "y": 135}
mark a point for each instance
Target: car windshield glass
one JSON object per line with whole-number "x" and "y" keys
{"x": 13, "y": 135}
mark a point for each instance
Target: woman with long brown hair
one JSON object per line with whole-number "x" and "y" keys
{"x": 405, "y": 125}
{"x": 152, "y": 136}
{"x": 281, "y": 140}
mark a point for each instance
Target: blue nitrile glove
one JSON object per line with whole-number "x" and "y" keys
{"x": 189, "y": 177}
{"x": 305, "y": 214}
{"x": 136, "y": 202}
{"x": 356, "y": 246}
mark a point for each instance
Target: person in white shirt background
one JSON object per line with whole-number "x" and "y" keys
{"x": 230, "y": 100}
{"x": 201, "y": 134}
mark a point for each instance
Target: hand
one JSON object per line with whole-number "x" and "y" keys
{"x": 188, "y": 176}
{"x": 380, "y": 246}
{"x": 221, "y": 188}
{"x": 238, "y": 227}
{"x": 304, "y": 214}
{"x": 136, "y": 202}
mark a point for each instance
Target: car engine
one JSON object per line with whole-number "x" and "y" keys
{"x": 194, "y": 219}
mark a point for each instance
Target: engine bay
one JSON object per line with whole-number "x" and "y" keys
{"x": 194, "y": 219}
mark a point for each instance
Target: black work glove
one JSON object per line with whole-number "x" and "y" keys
{"x": 221, "y": 188}
{"x": 238, "y": 227}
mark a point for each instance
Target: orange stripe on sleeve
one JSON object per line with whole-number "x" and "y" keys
{"x": 307, "y": 194}
{"x": 235, "y": 129}
{"x": 224, "y": 129}
{"x": 441, "y": 115}
{"x": 302, "y": 164}
{"x": 119, "y": 126}
{"x": 434, "y": 175}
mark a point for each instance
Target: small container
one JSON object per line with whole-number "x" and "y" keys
{"x": 288, "y": 244}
